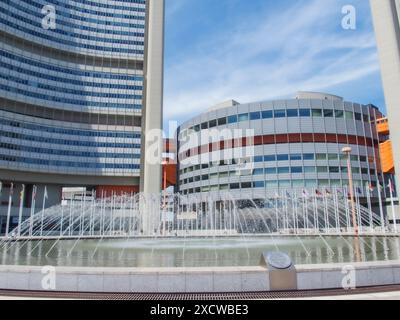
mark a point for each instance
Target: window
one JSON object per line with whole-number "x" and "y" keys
{"x": 334, "y": 170}
{"x": 321, "y": 156}
{"x": 267, "y": 114}
{"x": 323, "y": 183}
{"x": 357, "y": 116}
{"x": 259, "y": 184}
{"x": 255, "y": 116}
{"x": 258, "y": 172}
{"x": 305, "y": 112}
{"x": 224, "y": 175}
{"x": 196, "y": 128}
{"x": 283, "y": 170}
{"x": 310, "y": 183}
{"x": 282, "y": 157}
{"x": 204, "y": 125}
{"x": 243, "y": 117}
{"x": 339, "y": 114}
{"x": 309, "y": 169}
{"x": 296, "y": 169}
{"x": 285, "y": 184}
{"x": 333, "y": 156}
{"x": 270, "y": 171}
{"x": 292, "y": 113}
{"x": 298, "y": 183}
{"x": 309, "y": 156}
{"x": 246, "y": 185}
{"x": 235, "y": 186}
{"x": 232, "y": 119}
{"x": 269, "y": 158}
{"x": 348, "y": 115}
{"x": 222, "y": 121}
{"x": 212, "y": 124}
{"x": 280, "y": 113}
{"x": 204, "y": 166}
{"x": 258, "y": 159}
{"x": 328, "y": 113}
{"x": 322, "y": 169}
{"x": 316, "y": 112}
{"x": 204, "y": 177}
{"x": 296, "y": 157}
{"x": 271, "y": 184}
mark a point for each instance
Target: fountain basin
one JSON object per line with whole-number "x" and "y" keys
{"x": 194, "y": 280}
{"x": 194, "y": 265}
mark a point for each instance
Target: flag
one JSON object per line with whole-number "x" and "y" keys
{"x": 358, "y": 189}
{"x": 21, "y": 194}
{"x": 1, "y": 186}
{"x": 45, "y": 193}
{"x": 34, "y": 193}
{"x": 327, "y": 192}
{"x": 305, "y": 193}
{"x": 390, "y": 185}
{"x": 11, "y": 189}
{"x": 318, "y": 193}
{"x": 370, "y": 187}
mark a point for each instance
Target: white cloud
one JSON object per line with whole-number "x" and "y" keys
{"x": 272, "y": 54}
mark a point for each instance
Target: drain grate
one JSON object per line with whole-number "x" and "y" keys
{"x": 197, "y": 296}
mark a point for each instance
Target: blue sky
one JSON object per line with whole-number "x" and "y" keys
{"x": 253, "y": 50}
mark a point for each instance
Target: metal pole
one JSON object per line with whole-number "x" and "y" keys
{"x": 21, "y": 208}
{"x": 347, "y": 151}
{"x": 381, "y": 207}
{"x": 393, "y": 208}
{"x": 9, "y": 209}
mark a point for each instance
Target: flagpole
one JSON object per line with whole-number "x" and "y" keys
{"x": 393, "y": 208}
{"x": 371, "y": 223}
{"x": 43, "y": 206}
{"x": 33, "y": 204}
{"x": 381, "y": 207}
{"x": 9, "y": 209}
{"x": 21, "y": 208}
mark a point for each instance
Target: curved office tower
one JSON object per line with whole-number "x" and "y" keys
{"x": 74, "y": 100}
{"x": 258, "y": 149}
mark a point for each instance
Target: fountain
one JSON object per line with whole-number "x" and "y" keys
{"x": 176, "y": 231}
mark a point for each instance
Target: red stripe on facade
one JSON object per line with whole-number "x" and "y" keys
{"x": 280, "y": 139}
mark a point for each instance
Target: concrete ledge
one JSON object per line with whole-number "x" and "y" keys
{"x": 194, "y": 280}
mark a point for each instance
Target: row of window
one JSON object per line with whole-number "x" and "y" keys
{"x": 64, "y": 90}
{"x": 275, "y": 171}
{"x": 70, "y": 164}
{"x": 279, "y": 157}
{"x": 46, "y": 76}
{"x": 109, "y": 13}
{"x": 75, "y": 132}
{"x": 85, "y": 154}
{"x": 112, "y": 6}
{"x": 284, "y": 113}
{"x": 68, "y": 15}
{"x": 73, "y": 44}
{"x": 72, "y": 34}
{"x": 73, "y": 72}
{"x": 310, "y": 156}
{"x": 281, "y": 184}
{"x": 74, "y": 102}
{"x": 77, "y": 143}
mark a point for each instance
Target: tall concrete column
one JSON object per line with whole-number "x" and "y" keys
{"x": 387, "y": 30}
{"x": 152, "y": 140}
